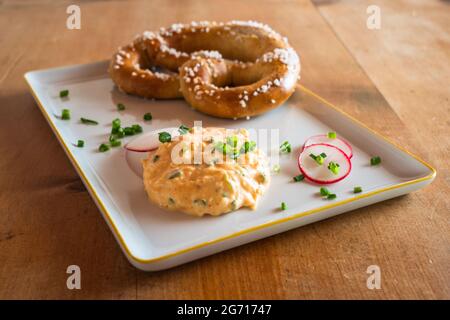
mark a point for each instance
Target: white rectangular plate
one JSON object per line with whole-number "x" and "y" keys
{"x": 153, "y": 239}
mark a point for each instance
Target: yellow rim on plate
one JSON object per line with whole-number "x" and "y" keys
{"x": 248, "y": 230}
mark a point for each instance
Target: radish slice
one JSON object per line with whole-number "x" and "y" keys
{"x": 150, "y": 141}
{"x": 337, "y": 142}
{"x": 320, "y": 173}
{"x": 134, "y": 161}
{"x": 139, "y": 148}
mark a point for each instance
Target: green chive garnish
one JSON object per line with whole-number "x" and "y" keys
{"x": 318, "y": 159}
{"x": 148, "y": 116}
{"x": 155, "y": 158}
{"x": 357, "y": 190}
{"x": 165, "y": 137}
{"x": 115, "y": 143}
{"x": 331, "y": 196}
{"x": 248, "y": 146}
{"x": 298, "y": 178}
{"x": 324, "y": 191}
{"x": 323, "y": 155}
{"x": 333, "y": 167}
{"x": 137, "y": 128}
{"x": 285, "y": 147}
{"x": 174, "y": 175}
{"x": 103, "y": 147}
{"x": 183, "y": 129}
{"x": 120, "y": 106}
{"x": 64, "y": 93}
{"x": 232, "y": 141}
{"x": 120, "y": 133}
{"x": 80, "y": 143}
{"x": 220, "y": 146}
{"x": 115, "y": 125}
{"x": 283, "y": 206}
{"x": 331, "y": 135}
{"x": 375, "y": 161}
{"x": 88, "y": 121}
{"x": 201, "y": 202}
{"x": 128, "y": 131}
{"x": 65, "y": 114}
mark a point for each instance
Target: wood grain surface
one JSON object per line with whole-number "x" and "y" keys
{"x": 396, "y": 80}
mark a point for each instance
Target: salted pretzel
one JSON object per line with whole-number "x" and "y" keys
{"x": 230, "y": 70}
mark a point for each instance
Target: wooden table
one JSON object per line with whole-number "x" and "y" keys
{"x": 396, "y": 80}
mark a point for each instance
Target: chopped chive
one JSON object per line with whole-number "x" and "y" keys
{"x": 128, "y": 131}
{"x": 115, "y": 125}
{"x": 201, "y": 202}
{"x": 120, "y": 133}
{"x": 324, "y": 191}
{"x": 183, "y": 129}
{"x": 155, "y": 158}
{"x": 283, "y": 206}
{"x": 148, "y": 116}
{"x": 333, "y": 167}
{"x": 80, "y": 143}
{"x": 357, "y": 190}
{"x": 331, "y": 196}
{"x": 323, "y": 155}
{"x": 220, "y": 146}
{"x": 318, "y": 159}
{"x": 375, "y": 160}
{"x": 174, "y": 175}
{"x": 120, "y": 106}
{"x": 64, "y": 93}
{"x": 165, "y": 137}
{"x": 331, "y": 135}
{"x": 115, "y": 143}
{"x": 65, "y": 114}
{"x": 103, "y": 147}
{"x": 88, "y": 121}
{"x": 298, "y": 178}
{"x": 248, "y": 146}
{"x": 137, "y": 128}
{"x": 285, "y": 147}
{"x": 233, "y": 141}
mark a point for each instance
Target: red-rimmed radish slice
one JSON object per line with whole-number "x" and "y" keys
{"x": 139, "y": 148}
{"x": 337, "y": 142}
{"x": 320, "y": 173}
{"x": 134, "y": 161}
{"x": 150, "y": 141}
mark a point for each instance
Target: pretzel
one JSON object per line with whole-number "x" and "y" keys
{"x": 134, "y": 73}
{"x": 230, "y": 70}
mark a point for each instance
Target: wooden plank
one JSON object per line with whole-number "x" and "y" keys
{"x": 408, "y": 61}
{"x": 48, "y": 220}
